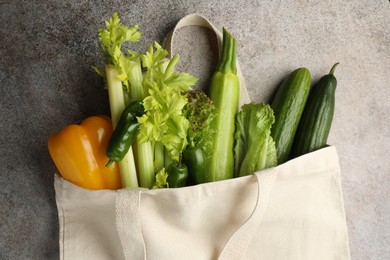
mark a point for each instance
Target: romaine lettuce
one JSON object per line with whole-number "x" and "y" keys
{"x": 254, "y": 149}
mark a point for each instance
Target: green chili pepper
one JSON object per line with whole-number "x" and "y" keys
{"x": 177, "y": 175}
{"x": 123, "y": 136}
{"x": 195, "y": 159}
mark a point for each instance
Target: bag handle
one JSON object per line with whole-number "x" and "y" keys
{"x": 128, "y": 220}
{"x": 236, "y": 246}
{"x": 238, "y": 243}
{"x": 128, "y": 201}
{"x": 199, "y": 20}
{"x": 128, "y": 223}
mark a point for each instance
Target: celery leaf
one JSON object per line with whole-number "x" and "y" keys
{"x": 180, "y": 81}
{"x": 164, "y": 120}
{"x": 112, "y": 38}
{"x": 161, "y": 180}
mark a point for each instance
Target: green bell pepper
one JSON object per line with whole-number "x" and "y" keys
{"x": 195, "y": 159}
{"x": 177, "y": 175}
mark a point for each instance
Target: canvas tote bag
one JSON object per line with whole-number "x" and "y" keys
{"x": 292, "y": 211}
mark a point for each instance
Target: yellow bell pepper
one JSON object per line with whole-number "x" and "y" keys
{"x": 79, "y": 153}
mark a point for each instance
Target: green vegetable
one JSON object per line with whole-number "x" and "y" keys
{"x": 177, "y": 175}
{"x": 149, "y": 77}
{"x": 314, "y": 128}
{"x": 164, "y": 120}
{"x": 255, "y": 149}
{"x": 111, "y": 41}
{"x": 124, "y": 133}
{"x": 288, "y": 105}
{"x": 225, "y": 94}
{"x": 161, "y": 180}
{"x": 199, "y": 111}
{"x": 195, "y": 159}
{"x": 131, "y": 76}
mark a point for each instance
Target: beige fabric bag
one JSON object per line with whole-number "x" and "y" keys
{"x": 292, "y": 211}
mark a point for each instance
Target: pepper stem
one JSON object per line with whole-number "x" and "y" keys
{"x": 333, "y": 68}
{"x": 180, "y": 158}
{"x": 108, "y": 164}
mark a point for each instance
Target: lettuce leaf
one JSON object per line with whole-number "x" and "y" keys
{"x": 200, "y": 111}
{"x": 255, "y": 149}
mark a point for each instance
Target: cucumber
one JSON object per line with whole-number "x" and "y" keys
{"x": 314, "y": 128}
{"x": 288, "y": 105}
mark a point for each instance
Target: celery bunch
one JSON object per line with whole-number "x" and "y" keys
{"x": 150, "y": 77}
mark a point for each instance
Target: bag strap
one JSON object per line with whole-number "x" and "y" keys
{"x": 199, "y": 20}
{"x": 128, "y": 200}
{"x": 129, "y": 228}
{"x": 128, "y": 223}
{"x": 236, "y": 246}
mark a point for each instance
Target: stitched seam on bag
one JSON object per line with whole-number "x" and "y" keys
{"x": 116, "y": 219}
{"x": 340, "y": 200}
{"x": 61, "y": 217}
{"x": 118, "y": 194}
{"x": 140, "y": 223}
{"x": 63, "y": 234}
{"x": 119, "y": 209}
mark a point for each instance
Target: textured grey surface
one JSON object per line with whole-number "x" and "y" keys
{"x": 47, "y": 49}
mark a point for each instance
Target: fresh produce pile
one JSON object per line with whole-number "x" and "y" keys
{"x": 164, "y": 134}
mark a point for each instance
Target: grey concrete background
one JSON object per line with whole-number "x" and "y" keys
{"x": 47, "y": 49}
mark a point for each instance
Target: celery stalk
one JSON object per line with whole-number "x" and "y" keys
{"x": 143, "y": 152}
{"x": 144, "y": 157}
{"x": 167, "y": 159}
{"x": 128, "y": 171}
{"x": 115, "y": 94}
{"x": 135, "y": 79}
{"x": 161, "y": 85}
{"x": 117, "y": 105}
{"x": 159, "y": 156}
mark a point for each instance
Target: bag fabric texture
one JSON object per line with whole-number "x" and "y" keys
{"x": 292, "y": 211}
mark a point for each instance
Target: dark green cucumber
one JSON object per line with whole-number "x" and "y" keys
{"x": 314, "y": 128}
{"x": 288, "y": 105}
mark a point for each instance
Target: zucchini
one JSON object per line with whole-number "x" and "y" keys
{"x": 288, "y": 105}
{"x": 225, "y": 94}
{"x": 314, "y": 128}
